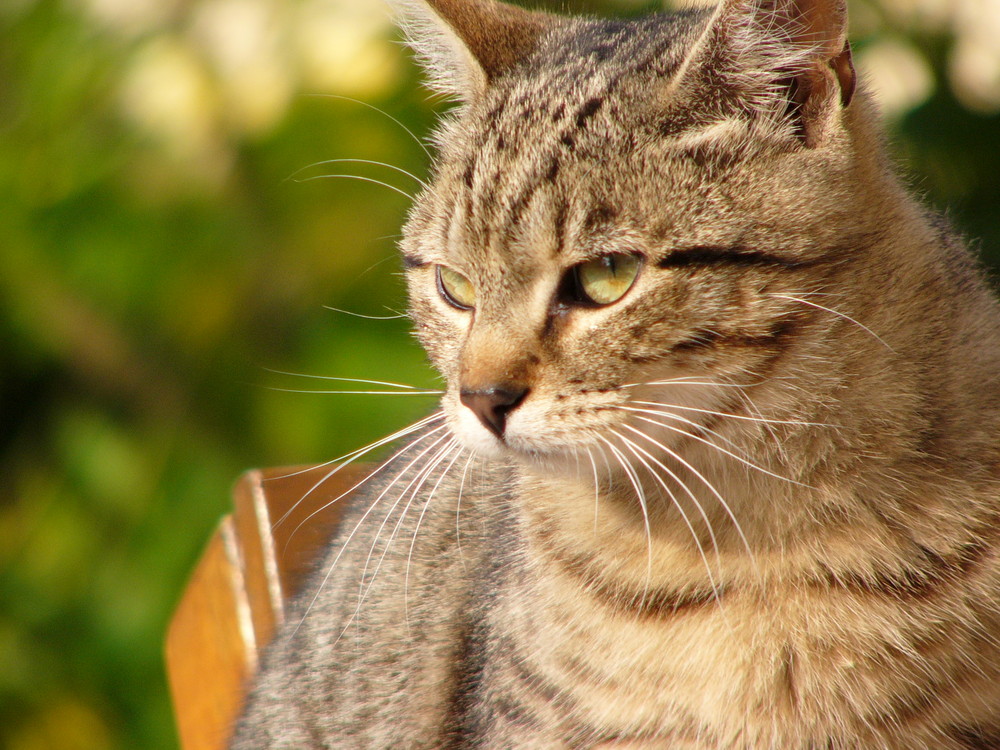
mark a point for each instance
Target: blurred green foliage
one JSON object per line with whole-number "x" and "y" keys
{"x": 147, "y": 292}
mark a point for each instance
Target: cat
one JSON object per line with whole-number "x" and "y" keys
{"x": 718, "y": 460}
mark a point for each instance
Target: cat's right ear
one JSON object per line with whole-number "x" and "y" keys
{"x": 466, "y": 44}
{"x": 783, "y": 60}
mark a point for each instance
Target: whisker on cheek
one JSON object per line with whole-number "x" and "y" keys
{"x": 452, "y": 446}
{"x": 411, "y": 489}
{"x": 361, "y": 521}
{"x": 347, "y": 459}
{"x": 633, "y": 478}
{"x": 701, "y": 477}
{"x": 644, "y": 458}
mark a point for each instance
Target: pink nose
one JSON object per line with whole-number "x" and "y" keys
{"x": 492, "y": 404}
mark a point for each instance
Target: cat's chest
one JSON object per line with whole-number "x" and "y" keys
{"x": 777, "y": 671}
{"x": 627, "y": 675}
{"x": 613, "y": 660}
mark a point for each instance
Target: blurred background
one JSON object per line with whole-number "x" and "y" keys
{"x": 170, "y": 238}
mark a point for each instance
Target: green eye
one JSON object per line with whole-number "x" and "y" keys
{"x": 602, "y": 280}
{"x": 455, "y": 288}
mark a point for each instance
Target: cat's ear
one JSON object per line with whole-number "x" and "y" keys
{"x": 466, "y": 44}
{"x": 782, "y": 58}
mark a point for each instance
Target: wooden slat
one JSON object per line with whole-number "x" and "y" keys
{"x": 260, "y": 575}
{"x": 259, "y": 557}
{"x": 210, "y": 647}
{"x": 304, "y": 508}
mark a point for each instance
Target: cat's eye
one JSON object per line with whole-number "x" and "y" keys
{"x": 601, "y": 281}
{"x": 457, "y": 290}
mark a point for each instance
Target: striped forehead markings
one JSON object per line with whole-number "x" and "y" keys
{"x": 634, "y": 54}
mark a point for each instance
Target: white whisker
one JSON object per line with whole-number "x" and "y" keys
{"x": 371, "y": 506}
{"x": 761, "y": 420}
{"x": 384, "y": 114}
{"x": 355, "y": 177}
{"x": 711, "y": 487}
{"x": 349, "y": 458}
{"x": 681, "y": 380}
{"x": 412, "y": 488}
{"x": 344, "y": 380}
{"x": 418, "y": 481}
{"x": 689, "y": 380}
{"x": 416, "y": 529}
{"x": 458, "y": 506}
{"x": 353, "y": 393}
{"x": 752, "y": 407}
{"x": 719, "y": 448}
{"x": 641, "y": 496}
{"x": 358, "y": 161}
{"x": 324, "y": 506}
{"x": 397, "y": 316}
{"x": 663, "y": 412}
{"x": 637, "y": 450}
{"x": 839, "y": 314}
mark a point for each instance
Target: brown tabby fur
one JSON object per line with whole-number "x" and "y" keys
{"x": 796, "y": 545}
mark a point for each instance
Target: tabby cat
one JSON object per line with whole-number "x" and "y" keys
{"x": 718, "y": 460}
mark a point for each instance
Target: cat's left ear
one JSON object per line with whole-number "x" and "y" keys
{"x": 784, "y": 58}
{"x": 464, "y": 45}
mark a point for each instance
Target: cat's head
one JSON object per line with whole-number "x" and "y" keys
{"x": 625, "y": 212}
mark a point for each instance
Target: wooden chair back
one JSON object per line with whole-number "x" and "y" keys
{"x": 258, "y": 557}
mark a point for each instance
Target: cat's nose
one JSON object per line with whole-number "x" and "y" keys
{"x": 492, "y": 404}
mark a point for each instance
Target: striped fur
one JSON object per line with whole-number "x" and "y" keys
{"x": 752, "y": 505}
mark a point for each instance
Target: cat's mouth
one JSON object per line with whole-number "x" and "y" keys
{"x": 526, "y": 425}
{"x": 542, "y": 427}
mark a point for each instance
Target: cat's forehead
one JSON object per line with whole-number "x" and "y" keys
{"x": 567, "y": 159}
{"x": 555, "y": 137}
{"x": 615, "y": 49}
{"x": 584, "y": 64}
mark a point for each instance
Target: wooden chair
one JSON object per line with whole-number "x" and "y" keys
{"x": 234, "y": 601}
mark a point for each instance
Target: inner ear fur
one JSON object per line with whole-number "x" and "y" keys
{"x": 828, "y": 77}
{"x": 467, "y": 44}
{"x": 785, "y": 58}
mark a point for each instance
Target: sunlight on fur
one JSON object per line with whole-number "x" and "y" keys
{"x": 716, "y": 463}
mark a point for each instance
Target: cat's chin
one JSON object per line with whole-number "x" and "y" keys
{"x": 523, "y": 444}
{"x": 558, "y": 460}
{"x": 473, "y": 436}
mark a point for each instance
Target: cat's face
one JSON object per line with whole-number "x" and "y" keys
{"x": 591, "y": 245}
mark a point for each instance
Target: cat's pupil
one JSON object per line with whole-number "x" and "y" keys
{"x": 601, "y": 281}
{"x": 455, "y": 288}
